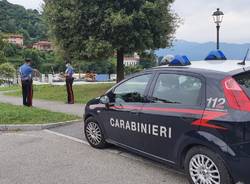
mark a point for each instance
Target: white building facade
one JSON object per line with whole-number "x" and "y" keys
{"x": 132, "y": 60}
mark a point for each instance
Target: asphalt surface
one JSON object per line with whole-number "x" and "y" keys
{"x": 44, "y": 158}
{"x": 75, "y": 130}
{"x": 61, "y": 156}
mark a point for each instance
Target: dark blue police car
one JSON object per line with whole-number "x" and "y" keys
{"x": 195, "y": 117}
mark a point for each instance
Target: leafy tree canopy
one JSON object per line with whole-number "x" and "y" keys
{"x": 2, "y": 43}
{"x": 7, "y": 70}
{"x": 148, "y": 59}
{"x": 95, "y": 28}
{"x": 2, "y": 57}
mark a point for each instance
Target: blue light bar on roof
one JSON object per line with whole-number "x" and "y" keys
{"x": 216, "y": 55}
{"x": 180, "y": 61}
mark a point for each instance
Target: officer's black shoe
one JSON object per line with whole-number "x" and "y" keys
{"x": 27, "y": 105}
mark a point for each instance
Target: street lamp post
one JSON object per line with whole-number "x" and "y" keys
{"x": 218, "y": 17}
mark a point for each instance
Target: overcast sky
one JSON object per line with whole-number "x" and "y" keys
{"x": 198, "y": 24}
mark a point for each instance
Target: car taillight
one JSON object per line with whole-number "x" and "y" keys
{"x": 235, "y": 95}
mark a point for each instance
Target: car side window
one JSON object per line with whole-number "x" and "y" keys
{"x": 132, "y": 90}
{"x": 178, "y": 89}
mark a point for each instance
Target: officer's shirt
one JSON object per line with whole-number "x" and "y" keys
{"x": 69, "y": 71}
{"x": 26, "y": 72}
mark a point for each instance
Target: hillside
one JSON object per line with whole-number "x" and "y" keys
{"x": 198, "y": 51}
{"x": 16, "y": 19}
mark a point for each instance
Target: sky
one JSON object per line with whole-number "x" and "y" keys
{"x": 31, "y": 4}
{"x": 197, "y": 22}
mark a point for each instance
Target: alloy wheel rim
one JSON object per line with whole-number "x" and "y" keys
{"x": 203, "y": 170}
{"x": 94, "y": 133}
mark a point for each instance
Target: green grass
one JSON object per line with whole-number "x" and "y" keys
{"x": 83, "y": 93}
{"x": 11, "y": 114}
{"x": 9, "y": 88}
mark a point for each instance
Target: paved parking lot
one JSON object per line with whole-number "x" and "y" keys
{"x": 74, "y": 130}
{"x": 62, "y": 156}
{"x": 42, "y": 157}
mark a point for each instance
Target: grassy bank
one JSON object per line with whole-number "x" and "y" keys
{"x": 10, "y": 114}
{"x": 9, "y": 88}
{"x": 83, "y": 93}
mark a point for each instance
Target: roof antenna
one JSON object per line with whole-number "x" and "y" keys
{"x": 244, "y": 61}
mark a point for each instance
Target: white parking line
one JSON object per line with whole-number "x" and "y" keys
{"x": 79, "y": 140}
{"x": 67, "y": 137}
{"x": 112, "y": 151}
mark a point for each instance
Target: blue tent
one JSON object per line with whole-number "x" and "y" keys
{"x": 102, "y": 77}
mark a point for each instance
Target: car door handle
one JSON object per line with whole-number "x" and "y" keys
{"x": 134, "y": 112}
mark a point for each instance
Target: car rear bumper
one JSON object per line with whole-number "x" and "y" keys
{"x": 240, "y": 172}
{"x": 240, "y": 167}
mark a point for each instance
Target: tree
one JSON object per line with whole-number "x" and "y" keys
{"x": 35, "y": 56}
{"x": 132, "y": 69}
{"x": 147, "y": 59}
{"x": 95, "y": 29}
{"x": 7, "y": 71}
{"x": 2, "y": 57}
{"x": 9, "y": 50}
{"x": 2, "y": 45}
{"x": 16, "y": 19}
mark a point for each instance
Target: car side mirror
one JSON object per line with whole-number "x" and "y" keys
{"x": 104, "y": 100}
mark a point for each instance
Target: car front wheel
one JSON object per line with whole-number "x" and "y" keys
{"x": 94, "y": 133}
{"x": 203, "y": 166}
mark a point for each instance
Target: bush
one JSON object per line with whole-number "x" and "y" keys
{"x": 2, "y": 57}
{"x": 132, "y": 69}
{"x": 7, "y": 71}
{"x": 9, "y": 50}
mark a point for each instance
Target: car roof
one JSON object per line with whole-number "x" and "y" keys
{"x": 213, "y": 66}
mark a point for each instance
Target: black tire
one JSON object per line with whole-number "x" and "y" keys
{"x": 193, "y": 162}
{"x": 91, "y": 126}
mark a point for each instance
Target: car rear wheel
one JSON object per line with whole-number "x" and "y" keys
{"x": 203, "y": 166}
{"x": 94, "y": 133}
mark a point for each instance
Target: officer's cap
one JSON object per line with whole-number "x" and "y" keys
{"x": 27, "y": 60}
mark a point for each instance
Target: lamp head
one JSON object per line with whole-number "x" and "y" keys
{"x": 218, "y": 16}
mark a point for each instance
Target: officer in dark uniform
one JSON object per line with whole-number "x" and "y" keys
{"x": 26, "y": 72}
{"x": 69, "y": 82}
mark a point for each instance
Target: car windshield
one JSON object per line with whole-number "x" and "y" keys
{"x": 243, "y": 80}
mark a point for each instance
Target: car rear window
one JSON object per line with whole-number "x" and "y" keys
{"x": 243, "y": 80}
{"x": 178, "y": 89}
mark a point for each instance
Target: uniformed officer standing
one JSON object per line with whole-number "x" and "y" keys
{"x": 26, "y": 72}
{"x": 69, "y": 83}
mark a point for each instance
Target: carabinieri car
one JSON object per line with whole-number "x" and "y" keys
{"x": 194, "y": 117}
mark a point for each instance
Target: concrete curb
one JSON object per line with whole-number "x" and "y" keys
{"x": 33, "y": 127}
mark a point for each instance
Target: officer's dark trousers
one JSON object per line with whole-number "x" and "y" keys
{"x": 69, "y": 84}
{"x": 27, "y": 92}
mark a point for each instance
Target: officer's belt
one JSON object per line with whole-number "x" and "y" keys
{"x": 25, "y": 78}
